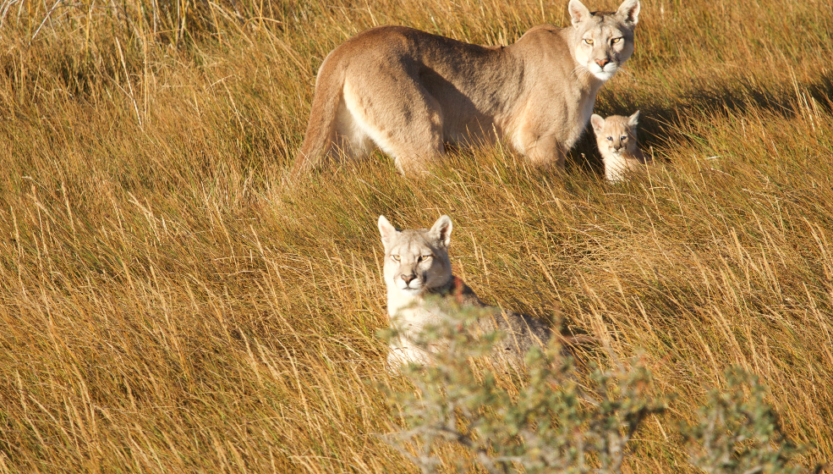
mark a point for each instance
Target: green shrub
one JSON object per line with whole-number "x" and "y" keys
{"x": 740, "y": 434}
{"x": 553, "y": 424}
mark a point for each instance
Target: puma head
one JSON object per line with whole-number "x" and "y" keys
{"x": 603, "y": 40}
{"x": 615, "y": 134}
{"x": 416, "y": 260}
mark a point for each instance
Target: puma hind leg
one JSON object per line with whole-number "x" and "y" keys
{"x": 403, "y": 120}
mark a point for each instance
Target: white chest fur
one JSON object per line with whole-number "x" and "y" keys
{"x": 408, "y": 315}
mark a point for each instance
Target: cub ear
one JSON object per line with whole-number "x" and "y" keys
{"x": 578, "y": 12}
{"x": 629, "y": 12}
{"x": 597, "y": 122}
{"x": 633, "y": 119}
{"x": 441, "y": 230}
{"x": 387, "y": 230}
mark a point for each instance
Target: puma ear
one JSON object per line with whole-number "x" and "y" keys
{"x": 597, "y": 122}
{"x": 633, "y": 119}
{"x": 629, "y": 12}
{"x": 578, "y": 12}
{"x": 387, "y": 230}
{"x": 441, "y": 230}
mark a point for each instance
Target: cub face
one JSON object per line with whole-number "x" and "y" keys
{"x": 416, "y": 259}
{"x": 604, "y": 40}
{"x": 616, "y": 134}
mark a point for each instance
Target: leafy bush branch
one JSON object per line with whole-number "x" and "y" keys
{"x": 555, "y": 423}
{"x": 738, "y": 433}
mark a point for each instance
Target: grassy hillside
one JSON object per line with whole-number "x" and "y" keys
{"x": 168, "y": 304}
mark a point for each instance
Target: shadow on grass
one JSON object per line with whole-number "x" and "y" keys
{"x": 728, "y": 96}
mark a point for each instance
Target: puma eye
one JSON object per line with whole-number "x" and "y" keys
{"x": 424, "y": 257}
{"x": 588, "y": 41}
{"x": 615, "y": 40}
{"x": 395, "y": 258}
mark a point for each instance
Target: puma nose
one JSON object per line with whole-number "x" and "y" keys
{"x": 602, "y": 62}
{"x": 408, "y": 278}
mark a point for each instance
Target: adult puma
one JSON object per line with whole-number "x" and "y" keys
{"x": 417, "y": 267}
{"x": 408, "y": 92}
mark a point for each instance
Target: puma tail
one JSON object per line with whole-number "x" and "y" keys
{"x": 321, "y": 128}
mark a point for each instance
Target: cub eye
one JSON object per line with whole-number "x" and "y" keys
{"x": 395, "y": 258}
{"x": 588, "y": 41}
{"x": 624, "y": 137}
{"x": 610, "y": 139}
{"x": 424, "y": 257}
{"x": 615, "y": 40}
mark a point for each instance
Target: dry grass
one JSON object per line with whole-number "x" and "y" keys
{"x": 167, "y": 305}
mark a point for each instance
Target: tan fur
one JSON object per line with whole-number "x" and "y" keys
{"x": 408, "y": 92}
{"x": 616, "y": 138}
{"x": 417, "y": 265}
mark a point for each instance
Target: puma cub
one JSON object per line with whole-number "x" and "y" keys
{"x": 417, "y": 266}
{"x": 408, "y": 92}
{"x": 616, "y": 138}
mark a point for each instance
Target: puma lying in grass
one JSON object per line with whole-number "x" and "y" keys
{"x": 418, "y": 278}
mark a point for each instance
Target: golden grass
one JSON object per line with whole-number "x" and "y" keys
{"x": 169, "y": 305}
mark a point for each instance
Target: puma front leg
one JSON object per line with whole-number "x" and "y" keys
{"x": 544, "y": 151}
